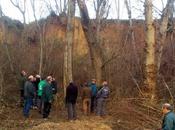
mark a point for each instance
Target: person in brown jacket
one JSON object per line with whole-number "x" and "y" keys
{"x": 86, "y": 97}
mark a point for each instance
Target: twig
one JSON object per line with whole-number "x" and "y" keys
{"x": 166, "y": 85}
{"x": 138, "y": 87}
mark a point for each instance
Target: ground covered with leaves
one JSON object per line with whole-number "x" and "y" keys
{"x": 126, "y": 114}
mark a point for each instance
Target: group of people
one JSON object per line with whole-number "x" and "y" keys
{"x": 93, "y": 98}
{"x": 37, "y": 93}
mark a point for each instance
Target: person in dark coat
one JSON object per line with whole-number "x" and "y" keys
{"x": 47, "y": 97}
{"x": 36, "y": 81}
{"x": 28, "y": 95}
{"x": 22, "y": 80}
{"x": 71, "y": 97}
{"x": 54, "y": 86}
{"x": 169, "y": 117}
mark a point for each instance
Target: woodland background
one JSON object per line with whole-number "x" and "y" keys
{"x": 80, "y": 48}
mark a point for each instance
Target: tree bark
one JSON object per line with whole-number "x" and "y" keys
{"x": 68, "y": 76}
{"x": 163, "y": 30}
{"x": 150, "y": 62}
{"x": 1, "y": 84}
{"x": 41, "y": 39}
{"x": 93, "y": 44}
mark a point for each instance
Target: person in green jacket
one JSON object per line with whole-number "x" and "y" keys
{"x": 41, "y": 85}
{"x": 47, "y": 97}
{"x": 169, "y": 117}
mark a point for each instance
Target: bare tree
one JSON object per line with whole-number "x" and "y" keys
{"x": 5, "y": 45}
{"x": 58, "y": 8}
{"x": 94, "y": 48}
{"x": 101, "y": 8}
{"x": 166, "y": 16}
{"x": 128, "y": 7}
{"x": 92, "y": 34}
{"x": 1, "y": 12}
{"x": 61, "y": 6}
{"x": 21, "y": 8}
{"x": 40, "y": 37}
{"x": 150, "y": 62}
{"x": 1, "y": 83}
{"x": 117, "y": 4}
{"x": 69, "y": 44}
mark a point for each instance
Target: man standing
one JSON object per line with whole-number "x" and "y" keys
{"x": 102, "y": 95}
{"x": 28, "y": 95}
{"x": 71, "y": 97}
{"x": 54, "y": 86}
{"x": 86, "y": 97}
{"x": 169, "y": 117}
{"x": 22, "y": 80}
{"x": 41, "y": 85}
{"x": 93, "y": 87}
{"x": 36, "y": 83}
{"x": 47, "y": 97}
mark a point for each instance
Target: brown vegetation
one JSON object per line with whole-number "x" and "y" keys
{"x": 123, "y": 67}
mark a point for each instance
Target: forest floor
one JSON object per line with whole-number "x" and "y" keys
{"x": 126, "y": 115}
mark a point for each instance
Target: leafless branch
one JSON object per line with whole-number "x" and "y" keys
{"x": 168, "y": 88}
{"x": 21, "y": 9}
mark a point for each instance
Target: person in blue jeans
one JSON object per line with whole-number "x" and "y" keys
{"x": 93, "y": 87}
{"x": 28, "y": 96}
{"x": 102, "y": 96}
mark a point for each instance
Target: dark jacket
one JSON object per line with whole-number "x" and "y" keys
{"x": 28, "y": 90}
{"x": 169, "y": 121}
{"x": 86, "y": 92}
{"x": 36, "y": 83}
{"x": 71, "y": 93}
{"x": 47, "y": 94}
{"x": 54, "y": 87}
{"x": 22, "y": 80}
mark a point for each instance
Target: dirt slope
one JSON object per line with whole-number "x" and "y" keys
{"x": 92, "y": 123}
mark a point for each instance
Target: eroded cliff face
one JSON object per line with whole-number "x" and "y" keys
{"x": 10, "y": 30}
{"x": 53, "y": 30}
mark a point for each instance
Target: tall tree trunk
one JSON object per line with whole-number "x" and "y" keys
{"x": 1, "y": 84}
{"x": 91, "y": 36}
{"x": 6, "y": 48}
{"x": 163, "y": 29}
{"x": 41, "y": 38}
{"x": 150, "y": 63}
{"x": 41, "y": 54}
{"x": 68, "y": 76}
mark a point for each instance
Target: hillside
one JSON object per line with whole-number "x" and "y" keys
{"x": 123, "y": 69}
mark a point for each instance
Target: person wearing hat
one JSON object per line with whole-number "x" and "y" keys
{"x": 168, "y": 122}
{"x": 28, "y": 95}
{"x": 86, "y": 98}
